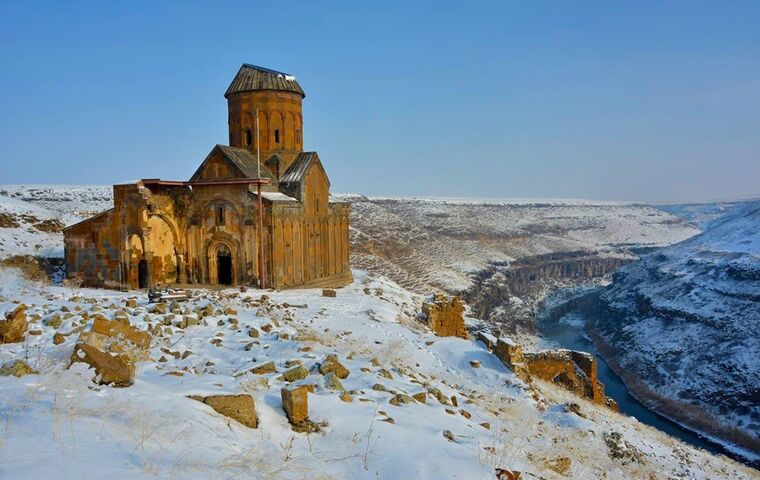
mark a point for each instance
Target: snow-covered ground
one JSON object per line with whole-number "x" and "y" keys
{"x": 58, "y": 424}
{"x": 684, "y": 325}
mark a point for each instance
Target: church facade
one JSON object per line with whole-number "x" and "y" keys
{"x": 256, "y": 212}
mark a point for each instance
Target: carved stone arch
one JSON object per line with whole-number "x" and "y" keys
{"x": 276, "y": 131}
{"x": 220, "y": 246}
{"x": 132, "y": 253}
{"x": 263, "y": 130}
{"x": 290, "y": 131}
{"x": 299, "y": 130}
{"x": 216, "y": 201}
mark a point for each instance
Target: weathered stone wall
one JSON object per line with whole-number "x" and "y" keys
{"x": 445, "y": 316}
{"x": 573, "y": 370}
{"x": 278, "y": 111}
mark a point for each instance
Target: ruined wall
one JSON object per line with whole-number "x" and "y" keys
{"x": 573, "y": 370}
{"x": 445, "y": 316}
{"x": 92, "y": 253}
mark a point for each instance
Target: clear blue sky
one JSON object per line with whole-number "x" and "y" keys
{"x": 637, "y": 100}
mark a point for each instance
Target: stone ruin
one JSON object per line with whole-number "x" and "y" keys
{"x": 575, "y": 371}
{"x": 445, "y": 316}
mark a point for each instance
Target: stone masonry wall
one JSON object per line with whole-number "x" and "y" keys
{"x": 445, "y": 316}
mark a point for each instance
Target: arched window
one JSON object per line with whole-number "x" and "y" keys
{"x": 276, "y": 136}
{"x": 220, "y": 215}
{"x": 248, "y": 137}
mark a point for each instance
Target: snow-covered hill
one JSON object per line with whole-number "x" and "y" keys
{"x": 442, "y": 242}
{"x": 32, "y": 216}
{"x": 59, "y": 424}
{"x": 683, "y": 327}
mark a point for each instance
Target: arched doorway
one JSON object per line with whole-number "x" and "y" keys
{"x": 223, "y": 265}
{"x": 142, "y": 274}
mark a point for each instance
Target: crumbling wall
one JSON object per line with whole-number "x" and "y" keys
{"x": 92, "y": 253}
{"x": 445, "y": 316}
{"x": 573, "y": 370}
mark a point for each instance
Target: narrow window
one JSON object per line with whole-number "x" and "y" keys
{"x": 248, "y": 137}
{"x": 276, "y": 136}
{"x": 94, "y": 239}
{"x": 220, "y": 215}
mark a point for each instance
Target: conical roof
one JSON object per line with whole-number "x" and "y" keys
{"x": 251, "y": 78}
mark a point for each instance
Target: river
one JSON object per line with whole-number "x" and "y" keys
{"x": 566, "y": 327}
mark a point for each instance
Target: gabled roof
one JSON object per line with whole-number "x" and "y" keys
{"x": 251, "y": 78}
{"x": 297, "y": 170}
{"x": 243, "y": 160}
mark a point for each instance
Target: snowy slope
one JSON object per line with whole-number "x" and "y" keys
{"x": 24, "y": 207}
{"x": 58, "y": 424}
{"x": 686, "y": 321}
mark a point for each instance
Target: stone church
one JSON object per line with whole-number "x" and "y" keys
{"x": 256, "y": 212}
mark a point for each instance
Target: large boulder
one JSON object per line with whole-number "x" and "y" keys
{"x": 112, "y": 348}
{"x": 241, "y": 407}
{"x": 13, "y": 328}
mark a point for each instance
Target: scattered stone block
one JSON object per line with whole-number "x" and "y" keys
{"x": 332, "y": 365}
{"x": 295, "y": 402}
{"x": 58, "y": 338}
{"x": 54, "y": 321}
{"x": 267, "y": 367}
{"x": 295, "y": 374}
{"x": 401, "y": 398}
{"x": 13, "y": 328}
{"x": 332, "y": 382}
{"x": 240, "y": 408}
{"x": 112, "y": 348}
{"x": 328, "y": 292}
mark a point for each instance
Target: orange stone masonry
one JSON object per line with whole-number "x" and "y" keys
{"x": 257, "y": 211}
{"x": 445, "y": 316}
{"x": 570, "y": 369}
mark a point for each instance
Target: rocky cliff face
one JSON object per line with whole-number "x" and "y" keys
{"x": 508, "y": 294}
{"x": 681, "y": 327}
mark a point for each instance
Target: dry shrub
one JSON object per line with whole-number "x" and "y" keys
{"x": 8, "y": 221}
{"x": 74, "y": 281}
{"x": 32, "y": 268}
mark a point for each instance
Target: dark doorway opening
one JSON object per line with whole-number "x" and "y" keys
{"x": 142, "y": 274}
{"x": 224, "y": 268}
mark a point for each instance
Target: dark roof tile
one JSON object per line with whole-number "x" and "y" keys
{"x": 252, "y": 77}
